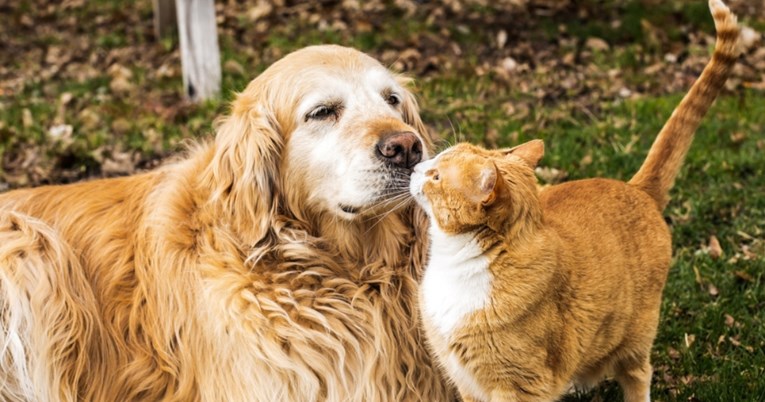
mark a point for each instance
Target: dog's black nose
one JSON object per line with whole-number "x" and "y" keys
{"x": 401, "y": 150}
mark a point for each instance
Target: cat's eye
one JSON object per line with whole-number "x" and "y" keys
{"x": 433, "y": 175}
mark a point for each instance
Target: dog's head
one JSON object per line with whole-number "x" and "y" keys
{"x": 325, "y": 130}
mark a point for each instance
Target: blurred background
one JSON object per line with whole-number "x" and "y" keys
{"x": 87, "y": 90}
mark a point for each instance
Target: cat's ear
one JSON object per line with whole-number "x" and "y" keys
{"x": 530, "y": 152}
{"x": 490, "y": 184}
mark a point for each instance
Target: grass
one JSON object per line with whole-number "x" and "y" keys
{"x": 711, "y": 340}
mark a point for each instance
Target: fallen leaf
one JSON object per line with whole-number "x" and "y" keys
{"x": 233, "y": 67}
{"x": 569, "y": 59}
{"x": 654, "y": 68}
{"x": 120, "y": 126}
{"x": 729, "y": 320}
{"x": 121, "y": 76}
{"x": 119, "y": 163}
{"x": 551, "y": 175}
{"x": 749, "y": 37}
{"x": 598, "y": 44}
{"x": 501, "y": 38}
{"x": 625, "y": 92}
{"x": 26, "y": 118}
{"x": 713, "y": 291}
{"x": 689, "y": 339}
{"x": 748, "y": 254}
{"x": 715, "y": 250}
{"x": 260, "y": 10}
{"x": 697, "y": 275}
{"x": 738, "y": 137}
{"x": 491, "y": 138}
{"x": 89, "y": 119}
{"x": 743, "y": 276}
{"x": 61, "y": 133}
{"x": 509, "y": 64}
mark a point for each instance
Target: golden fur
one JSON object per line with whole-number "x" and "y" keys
{"x": 227, "y": 275}
{"x": 556, "y": 288}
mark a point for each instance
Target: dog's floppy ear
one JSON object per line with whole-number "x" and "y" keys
{"x": 411, "y": 112}
{"x": 245, "y": 167}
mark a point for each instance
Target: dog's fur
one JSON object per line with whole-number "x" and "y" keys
{"x": 235, "y": 273}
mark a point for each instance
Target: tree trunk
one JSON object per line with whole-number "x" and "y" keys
{"x": 165, "y": 20}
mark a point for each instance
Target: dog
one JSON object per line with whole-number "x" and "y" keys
{"x": 276, "y": 262}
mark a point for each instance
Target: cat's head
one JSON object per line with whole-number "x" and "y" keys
{"x": 466, "y": 187}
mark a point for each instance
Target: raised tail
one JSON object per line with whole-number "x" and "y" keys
{"x": 658, "y": 173}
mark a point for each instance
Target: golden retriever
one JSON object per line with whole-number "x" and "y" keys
{"x": 277, "y": 262}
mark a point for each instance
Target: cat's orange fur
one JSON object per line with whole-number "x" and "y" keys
{"x": 528, "y": 293}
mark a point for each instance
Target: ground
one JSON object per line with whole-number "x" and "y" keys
{"x": 87, "y": 90}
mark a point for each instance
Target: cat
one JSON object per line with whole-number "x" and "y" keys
{"x": 529, "y": 292}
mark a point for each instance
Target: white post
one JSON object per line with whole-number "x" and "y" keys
{"x": 200, "y": 56}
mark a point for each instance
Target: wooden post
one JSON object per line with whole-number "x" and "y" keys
{"x": 164, "y": 18}
{"x": 200, "y": 56}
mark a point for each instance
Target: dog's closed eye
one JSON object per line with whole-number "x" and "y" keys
{"x": 325, "y": 111}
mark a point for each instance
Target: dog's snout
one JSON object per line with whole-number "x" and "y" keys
{"x": 402, "y": 150}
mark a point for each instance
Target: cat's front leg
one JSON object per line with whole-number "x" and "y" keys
{"x": 635, "y": 380}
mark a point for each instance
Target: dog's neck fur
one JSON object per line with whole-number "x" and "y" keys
{"x": 369, "y": 241}
{"x": 362, "y": 242}
{"x": 370, "y": 269}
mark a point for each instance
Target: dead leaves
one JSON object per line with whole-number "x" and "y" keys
{"x": 117, "y": 162}
{"x": 551, "y": 175}
{"x": 234, "y": 68}
{"x": 61, "y": 135}
{"x": 729, "y": 320}
{"x": 714, "y": 249}
{"x": 260, "y": 10}
{"x": 597, "y": 44}
{"x": 749, "y": 38}
{"x": 743, "y": 276}
{"x": 121, "y": 79}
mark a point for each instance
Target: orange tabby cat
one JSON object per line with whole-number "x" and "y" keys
{"x": 527, "y": 293}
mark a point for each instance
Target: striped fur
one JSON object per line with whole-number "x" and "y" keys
{"x": 657, "y": 175}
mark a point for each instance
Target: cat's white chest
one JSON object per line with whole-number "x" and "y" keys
{"x": 457, "y": 280}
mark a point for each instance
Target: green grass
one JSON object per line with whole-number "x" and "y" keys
{"x": 699, "y": 355}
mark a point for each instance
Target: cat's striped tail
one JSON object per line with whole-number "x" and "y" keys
{"x": 658, "y": 173}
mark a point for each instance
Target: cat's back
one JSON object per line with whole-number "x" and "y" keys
{"x": 594, "y": 204}
{"x": 609, "y": 229}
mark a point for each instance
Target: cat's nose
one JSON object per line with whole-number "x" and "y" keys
{"x": 401, "y": 150}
